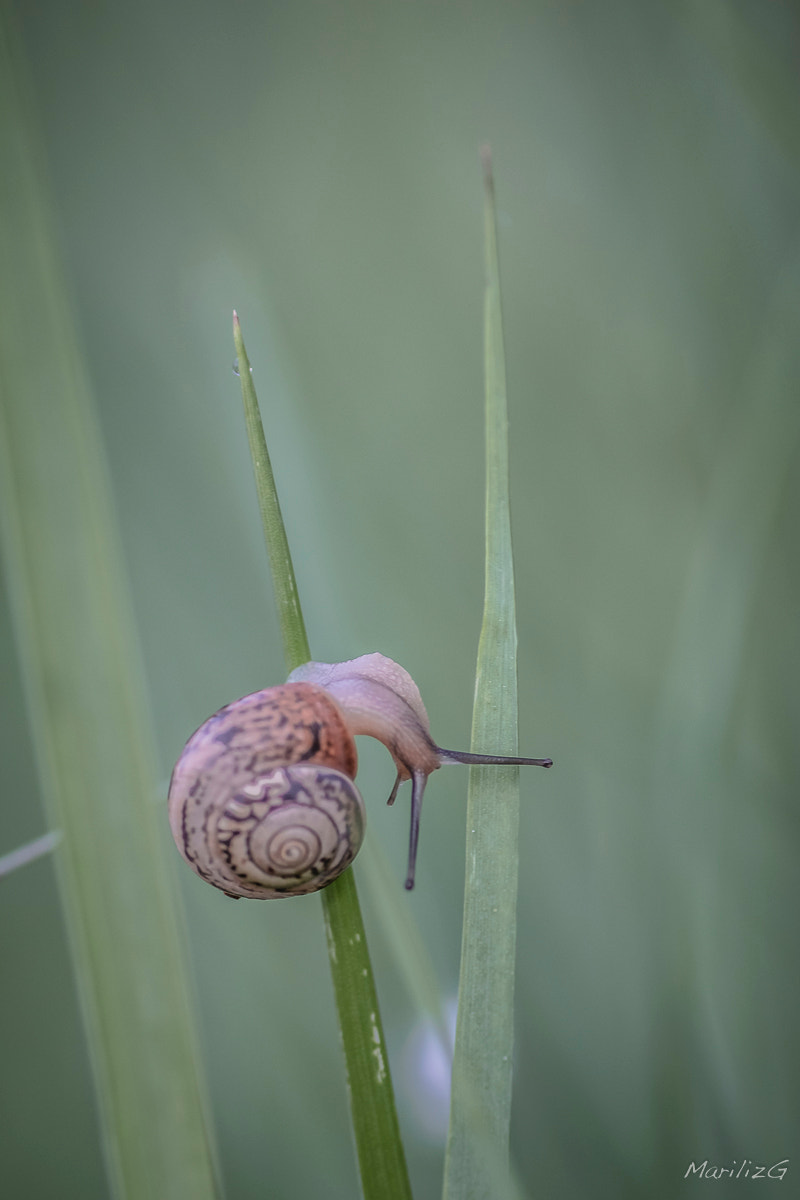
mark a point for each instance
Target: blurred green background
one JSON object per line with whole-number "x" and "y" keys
{"x": 315, "y": 166}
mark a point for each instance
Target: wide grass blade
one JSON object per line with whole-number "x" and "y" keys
{"x": 85, "y": 697}
{"x": 381, "y": 1158}
{"x": 476, "y": 1165}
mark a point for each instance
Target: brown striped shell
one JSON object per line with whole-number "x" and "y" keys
{"x": 261, "y": 801}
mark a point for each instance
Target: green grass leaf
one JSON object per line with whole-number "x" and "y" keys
{"x": 476, "y": 1165}
{"x": 381, "y": 1159}
{"x": 87, "y": 707}
{"x": 287, "y": 601}
{"x": 28, "y": 853}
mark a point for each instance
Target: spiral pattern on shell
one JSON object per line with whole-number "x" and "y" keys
{"x": 262, "y": 802}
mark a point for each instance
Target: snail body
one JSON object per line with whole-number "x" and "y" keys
{"x": 262, "y": 802}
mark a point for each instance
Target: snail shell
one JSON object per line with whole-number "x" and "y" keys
{"x": 262, "y": 801}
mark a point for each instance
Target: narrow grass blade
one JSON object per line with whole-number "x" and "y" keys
{"x": 381, "y": 1158}
{"x": 29, "y": 853}
{"x": 476, "y": 1167}
{"x": 85, "y": 697}
{"x": 290, "y": 615}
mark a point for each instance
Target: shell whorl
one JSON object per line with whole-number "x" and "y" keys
{"x": 262, "y": 802}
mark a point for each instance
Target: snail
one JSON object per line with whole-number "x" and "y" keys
{"x": 262, "y": 802}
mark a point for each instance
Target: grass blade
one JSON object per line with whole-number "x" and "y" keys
{"x": 88, "y": 714}
{"x": 287, "y": 601}
{"x": 476, "y": 1167}
{"x": 28, "y": 853}
{"x": 381, "y": 1158}
{"x": 388, "y": 900}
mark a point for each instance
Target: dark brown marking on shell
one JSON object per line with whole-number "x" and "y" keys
{"x": 226, "y": 736}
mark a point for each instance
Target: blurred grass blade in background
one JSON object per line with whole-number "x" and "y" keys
{"x": 702, "y": 685}
{"x": 29, "y": 853}
{"x": 381, "y": 1158}
{"x": 477, "y": 1166}
{"x": 388, "y": 900}
{"x": 86, "y": 704}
